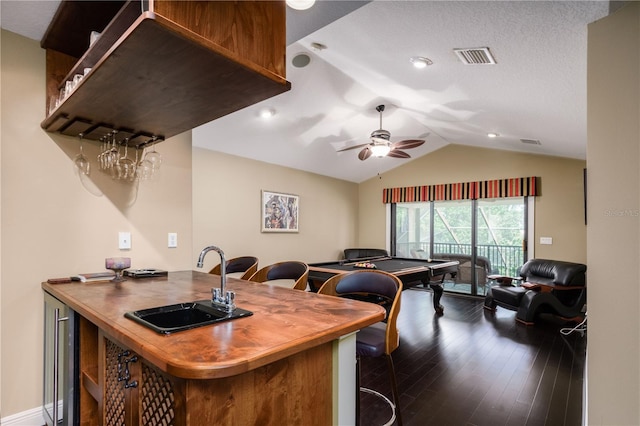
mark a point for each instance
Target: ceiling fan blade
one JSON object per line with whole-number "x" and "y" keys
{"x": 396, "y": 153}
{"x": 353, "y": 147}
{"x": 409, "y": 143}
{"x": 364, "y": 154}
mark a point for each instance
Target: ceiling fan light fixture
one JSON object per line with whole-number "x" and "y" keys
{"x": 380, "y": 149}
{"x": 300, "y": 4}
{"x": 420, "y": 61}
{"x": 381, "y": 146}
{"x": 380, "y": 136}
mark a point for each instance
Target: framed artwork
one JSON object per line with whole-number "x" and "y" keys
{"x": 279, "y": 212}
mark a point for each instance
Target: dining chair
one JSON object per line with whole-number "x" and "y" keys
{"x": 289, "y": 274}
{"x": 239, "y": 267}
{"x": 377, "y": 340}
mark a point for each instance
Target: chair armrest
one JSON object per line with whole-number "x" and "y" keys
{"x": 503, "y": 279}
{"x": 548, "y": 288}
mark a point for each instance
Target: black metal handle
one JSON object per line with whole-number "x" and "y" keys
{"x": 127, "y": 374}
{"x": 120, "y": 356}
{"x": 127, "y": 384}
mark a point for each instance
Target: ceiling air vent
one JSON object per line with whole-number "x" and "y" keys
{"x": 531, "y": 141}
{"x": 475, "y": 56}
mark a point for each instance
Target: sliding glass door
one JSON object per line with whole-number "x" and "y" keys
{"x": 486, "y": 236}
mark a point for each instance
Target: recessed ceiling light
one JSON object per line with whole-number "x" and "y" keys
{"x": 300, "y": 4}
{"x": 420, "y": 61}
{"x": 267, "y": 112}
{"x": 492, "y": 135}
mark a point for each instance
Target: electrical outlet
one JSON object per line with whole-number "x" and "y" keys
{"x": 172, "y": 240}
{"x": 124, "y": 240}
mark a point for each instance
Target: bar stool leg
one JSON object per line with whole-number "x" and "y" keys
{"x": 394, "y": 389}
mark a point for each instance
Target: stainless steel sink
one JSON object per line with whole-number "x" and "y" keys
{"x": 183, "y": 316}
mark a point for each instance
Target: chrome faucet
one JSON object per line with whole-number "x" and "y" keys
{"x": 220, "y": 297}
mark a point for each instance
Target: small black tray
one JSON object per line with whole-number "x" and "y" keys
{"x": 145, "y": 273}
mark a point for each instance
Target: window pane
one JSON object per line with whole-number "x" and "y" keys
{"x": 501, "y": 231}
{"x": 495, "y": 240}
{"x": 452, "y": 227}
{"x": 412, "y": 230}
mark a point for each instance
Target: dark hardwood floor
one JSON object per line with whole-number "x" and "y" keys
{"x": 474, "y": 367}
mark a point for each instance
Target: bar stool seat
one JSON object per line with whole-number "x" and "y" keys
{"x": 239, "y": 267}
{"x": 377, "y": 340}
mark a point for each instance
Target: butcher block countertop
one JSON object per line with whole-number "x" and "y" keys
{"x": 284, "y": 322}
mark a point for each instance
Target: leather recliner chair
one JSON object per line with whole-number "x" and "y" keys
{"x": 548, "y": 286}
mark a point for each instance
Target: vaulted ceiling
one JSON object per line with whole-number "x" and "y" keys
{"x": 359, "y": 57}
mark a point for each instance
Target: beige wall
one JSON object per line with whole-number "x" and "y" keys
{"x": 559, "y": 211}
{"x": 226, "y": 210}
{"x": 53, "y": 226}
{"x": 613, "y": 234}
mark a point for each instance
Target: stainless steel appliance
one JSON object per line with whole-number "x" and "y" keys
{"x": 61, "y": 381}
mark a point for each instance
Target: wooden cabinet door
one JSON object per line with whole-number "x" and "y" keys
{"x": 161, "y": 398}
{"x": 137, "y": 393}
{"x": 121, "y": 381}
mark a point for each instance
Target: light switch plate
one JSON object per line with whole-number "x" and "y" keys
{"x": 172, "y": 240}
{"x": 546, "y": 240}
{"x": 124, "y": 240}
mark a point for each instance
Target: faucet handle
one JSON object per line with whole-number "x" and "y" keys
{"x": 230, "y": 301}
{"x": 216, "y": 296}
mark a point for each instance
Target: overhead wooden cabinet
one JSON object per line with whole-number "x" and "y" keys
{"x": 160, "y": 67}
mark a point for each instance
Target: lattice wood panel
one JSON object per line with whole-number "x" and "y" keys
{"x": 157, "y": 398}
{"x": 114, "y": 408}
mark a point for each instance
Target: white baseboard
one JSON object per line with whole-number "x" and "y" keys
{"x": 31, "y": 417}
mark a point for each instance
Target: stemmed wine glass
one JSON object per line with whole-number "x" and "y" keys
{"x": 144, "y": 171}
{"x": 127, "y": 167}
{"x": 154, "y": 156}
{"x": 112, "y": 156}
{"x": 103, "y": 149}
{"x": 80, "y": 161}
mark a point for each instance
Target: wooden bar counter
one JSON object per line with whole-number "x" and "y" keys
{"x": 291, "y": 362}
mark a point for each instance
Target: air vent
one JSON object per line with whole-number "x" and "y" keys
{"x": 475, "y": 56}
{"x": 531, "y": 141}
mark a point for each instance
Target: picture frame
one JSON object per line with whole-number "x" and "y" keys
{"x": 279, "y": 212}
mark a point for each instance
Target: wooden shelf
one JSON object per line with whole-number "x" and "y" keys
{"x": 73, "y": 22}
{"x": 153, "y": 76}
{"x": 90, "y": 384}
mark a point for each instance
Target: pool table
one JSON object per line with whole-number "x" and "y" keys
{"x": 412, "y": 272}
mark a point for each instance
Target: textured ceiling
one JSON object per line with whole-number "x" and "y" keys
{"x": 537, "y": 89}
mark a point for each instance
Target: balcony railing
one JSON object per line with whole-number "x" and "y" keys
{"x": 505, "y": 260}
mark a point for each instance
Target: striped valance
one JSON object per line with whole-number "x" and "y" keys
{"x": 499, "y": 188}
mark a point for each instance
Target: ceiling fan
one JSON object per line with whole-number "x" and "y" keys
{"x": 381, "y": 145}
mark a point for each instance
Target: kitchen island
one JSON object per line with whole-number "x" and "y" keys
{"x": 291, "y": 362}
